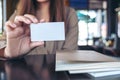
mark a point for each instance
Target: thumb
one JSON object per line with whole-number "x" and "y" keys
{"x": 42, "y": 21}
{"x": 35, "y": 44}
{"x": 10, "y": 26}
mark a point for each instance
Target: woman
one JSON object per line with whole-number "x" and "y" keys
{"x": 36, "y": 11}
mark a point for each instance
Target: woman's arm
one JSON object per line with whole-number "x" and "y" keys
{"x": 72, "y": 35}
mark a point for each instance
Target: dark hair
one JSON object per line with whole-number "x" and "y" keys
{"x": 56, "y": 9}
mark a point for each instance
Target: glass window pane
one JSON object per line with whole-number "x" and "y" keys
{"x": 0, "y": 16}
{"x": 92, "y": 23}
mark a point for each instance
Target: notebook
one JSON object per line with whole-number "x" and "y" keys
{"x": 84, "y": 61}
{"x": 84, "y": 56}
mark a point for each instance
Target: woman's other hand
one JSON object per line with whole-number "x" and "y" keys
{"x": 18, "y": 36}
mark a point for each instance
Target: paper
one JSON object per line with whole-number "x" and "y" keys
{"x": 107, "y": 73}
{"x": 94, "y": 70}
{"x": 83, "y": 56}
{"x": 53, "y": 31}
{"x": 84, "y": 60}
{"x": 74, "y": 66}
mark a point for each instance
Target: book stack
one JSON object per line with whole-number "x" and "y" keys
{"x": 91, "y": 62}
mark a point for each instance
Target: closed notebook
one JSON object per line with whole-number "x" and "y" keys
{"x": 83, "y": 55}
{"x": 84, "y": 61}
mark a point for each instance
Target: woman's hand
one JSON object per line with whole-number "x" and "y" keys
{"x": 18, "y": 36}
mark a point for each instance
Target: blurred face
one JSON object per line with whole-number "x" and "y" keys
{"x": 42, "y": 0}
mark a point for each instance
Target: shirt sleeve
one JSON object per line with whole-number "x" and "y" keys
{"x": 72, "y": 34}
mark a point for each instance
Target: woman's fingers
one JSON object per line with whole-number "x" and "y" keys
{"x": 28, "y": 19}
{"x": 32, "y": 18}
{"x": 42, "y": 20}
{"x": 35, "y": 44}
{"x": 19, "y": 19}
{"x": 10, "y": 25}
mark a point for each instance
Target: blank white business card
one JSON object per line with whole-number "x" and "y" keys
{"x": 52, "y": 31}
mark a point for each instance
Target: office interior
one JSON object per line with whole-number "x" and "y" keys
{"x": 98, "y": 22}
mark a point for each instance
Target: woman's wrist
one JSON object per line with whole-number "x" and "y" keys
{"x": 2, "y": 54}
{"x": 12, "y": 48}
{"x": 6, "y": 53}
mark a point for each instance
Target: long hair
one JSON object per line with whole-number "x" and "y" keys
{"x": 56, "y": 9}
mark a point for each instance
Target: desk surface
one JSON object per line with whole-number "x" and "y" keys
{"x": 39, "y": 67}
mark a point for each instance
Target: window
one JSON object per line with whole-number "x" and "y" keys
{"x": 1, "y": 18}
{"x": 92, "y": 24}
{"x": 92, "y": 20}
{"x": 2, "y": 14}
